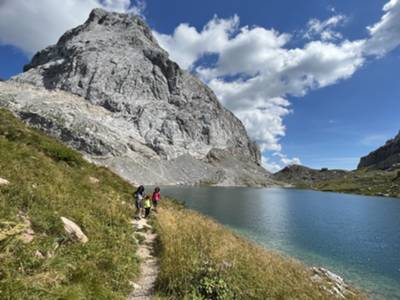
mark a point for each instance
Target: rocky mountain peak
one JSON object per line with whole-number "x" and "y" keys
{"x": 150, "y": 108}
{"x": 101, "y": 26}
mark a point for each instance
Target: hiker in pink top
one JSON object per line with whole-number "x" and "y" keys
{"x": 156, "y": 198}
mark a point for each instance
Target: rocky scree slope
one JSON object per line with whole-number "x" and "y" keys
{"x": 128, "y": 107}
{"x": 386, "y": 157}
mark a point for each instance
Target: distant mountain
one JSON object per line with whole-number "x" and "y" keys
{"x": 297, "y": 174}
{"x": 363, "y": 181}
{"x": 385, "y": 157}
{"x": 109, "y": 90}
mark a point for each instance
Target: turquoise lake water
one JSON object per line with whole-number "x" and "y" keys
{"x": 357, "y": 237}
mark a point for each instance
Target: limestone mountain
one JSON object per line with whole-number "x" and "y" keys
{"x": 385, "y": 157}
{"x": 109, "y": 90}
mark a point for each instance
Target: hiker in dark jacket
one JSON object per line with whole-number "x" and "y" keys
{"x": 138, "y": 196}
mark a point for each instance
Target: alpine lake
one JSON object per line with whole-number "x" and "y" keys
{"x": 356, "y": 237}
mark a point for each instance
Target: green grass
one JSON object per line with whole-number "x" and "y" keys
{"x": 49, "y": 180}
{"x": 200, "y": 259}
{"x": 363, "y": 182}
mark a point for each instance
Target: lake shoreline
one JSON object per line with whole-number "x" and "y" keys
{"x": 341, "y": 192}
{"x": 289, "y": 186}
{"x": 368, "y": 182}
{"x": 326, "y": 283}
{"x": 311, "y": 231}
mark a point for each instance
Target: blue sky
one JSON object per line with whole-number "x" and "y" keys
{"x": 343, "y": 114}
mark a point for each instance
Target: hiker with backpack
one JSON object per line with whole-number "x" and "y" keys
{"x": 138, "y": 196}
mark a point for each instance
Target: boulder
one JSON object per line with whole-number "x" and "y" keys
{"x": 93, "y": 180}
{"x": 4, "y": 181}
{"x": 28, "y": 234}
{"x": 39, "y": 254}
{"x": 19, "y": 230}
{"x": 74, "y": 230}
{"x": 337, "y": 287}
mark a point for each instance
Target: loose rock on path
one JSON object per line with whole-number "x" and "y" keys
{"x": 144, "y": 286}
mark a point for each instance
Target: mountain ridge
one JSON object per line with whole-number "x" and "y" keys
{"x": 157, "y": 124}
{"x": 383, "y": 158}
{"x": 298, "y": 174}
{"x": 377, "y": 174}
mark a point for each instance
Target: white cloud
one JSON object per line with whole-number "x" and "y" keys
{"x": 291, "y": 161}
{"x": 278, "y": 161}
{"x": 324, "y": 30}
{"x": 271, "y": 113}
{"x": 385, "y": 35}
{"x": 285, "y": 160}
{"x": 188, "y": 44}
{"x": 270, "y": 165}
{"x": 256, "y": 70}
{"x": 33, "y": 25}
{"x": 265, "y": 71}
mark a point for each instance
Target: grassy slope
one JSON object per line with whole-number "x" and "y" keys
{"x": 49, "y": 180}
{"x": 364, "y": 182}
{"x": 198, "y": 256}
{"x": 200, "y": 259}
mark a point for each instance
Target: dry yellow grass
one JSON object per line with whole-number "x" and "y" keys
{"x": 201, "y": 259}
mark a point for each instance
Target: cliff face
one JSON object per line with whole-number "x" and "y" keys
{"x": 129, "y": 107}
{"x": 296, "y": 174}
{"x": 385, "y": 157}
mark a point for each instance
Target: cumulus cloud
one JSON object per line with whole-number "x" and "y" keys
{"x": 188, "y": 44}
{"x": 265, "y": 71}
{"x": 385, "y": 34}
{"x": 33, "y": 25}
{"x": 256, "y": 71}
{"x": 271, "y": 112}
{"x": 277, "y": 161}
{"x": 285, "y": 160}
{"x": 270, "y": 165}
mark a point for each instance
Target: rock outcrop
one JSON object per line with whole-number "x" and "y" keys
{"x": 28, "y": 234}
{"x": 4, "y": 181}
{"x": 386, "y": 157}
{"x": 296, "y": 174}
{"x": 119, "y": 99}
{"x": 338, "y": 288}
{"x": 74, "y": 230}
{"x": 93, "y": 180}
{"x": 21, "y": 230}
